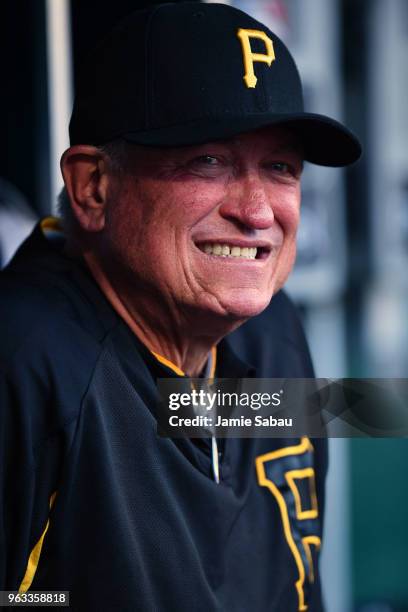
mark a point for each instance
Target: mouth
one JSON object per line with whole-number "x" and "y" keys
{"x": 234, "y": 251}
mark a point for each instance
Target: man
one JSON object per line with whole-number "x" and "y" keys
{"x": 180, "y": 213}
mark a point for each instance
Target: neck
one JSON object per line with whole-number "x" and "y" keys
{"x": 164, "y": 331}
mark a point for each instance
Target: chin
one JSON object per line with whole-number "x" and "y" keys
{"x": 242, "y": 304}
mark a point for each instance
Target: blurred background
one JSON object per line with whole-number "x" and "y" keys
{"x": 349, "y": 280}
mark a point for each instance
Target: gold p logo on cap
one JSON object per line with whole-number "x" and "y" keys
{"x": 250, "y": 57}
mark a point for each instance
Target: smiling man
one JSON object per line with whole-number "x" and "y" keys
{"x": 188, "y": 242}
{"x": 179, "y": 218}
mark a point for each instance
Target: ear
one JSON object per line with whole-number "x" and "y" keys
{"x": 84, "y": 169}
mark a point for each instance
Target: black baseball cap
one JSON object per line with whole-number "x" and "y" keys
{"x": 187, "y": 73}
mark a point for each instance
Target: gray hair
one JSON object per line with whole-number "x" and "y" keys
{"x": 118, "y": 153}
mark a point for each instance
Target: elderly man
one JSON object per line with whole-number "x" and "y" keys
{"x": 179, "y": 220}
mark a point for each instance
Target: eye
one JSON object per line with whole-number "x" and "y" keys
{"x": 207, "y": 160}
{"x": 280, "y": 167}
{"x": 207, "y": 165}
{"x": 285, "y": 170}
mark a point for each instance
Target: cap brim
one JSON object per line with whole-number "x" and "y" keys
{"x": 325, "y": 142}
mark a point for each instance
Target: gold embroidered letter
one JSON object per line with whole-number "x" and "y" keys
{"x": 250, "y": 57}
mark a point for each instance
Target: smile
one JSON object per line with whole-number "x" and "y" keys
{"x": 233, "y": 251}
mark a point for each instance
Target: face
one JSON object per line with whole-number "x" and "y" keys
{"x": 209, "y": 228}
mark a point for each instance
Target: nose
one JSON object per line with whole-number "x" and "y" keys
{"x": 247, "y": 203}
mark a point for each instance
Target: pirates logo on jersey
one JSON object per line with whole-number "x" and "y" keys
{"x": 289, "y": 475}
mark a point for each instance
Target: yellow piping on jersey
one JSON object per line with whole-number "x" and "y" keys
{"x": 168, "y": 364}
{"x": 51, "y": 223}
{"x": 35, "y": 556}
{"x": 214, "y": 362}
{"x": 178, "y": 370}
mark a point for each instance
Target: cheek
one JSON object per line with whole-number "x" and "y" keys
{"x": 287, "y": 213}
{"x": 123, "y": 236}
{"x": 192, "y": 201}
{"x": 286, "y": 264}
{"x": 152, "y": 225}
{"x": 181, "y": 204}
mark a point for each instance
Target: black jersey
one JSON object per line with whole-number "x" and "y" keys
{"x": 95, "y": 503}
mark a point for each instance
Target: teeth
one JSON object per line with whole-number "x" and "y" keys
{"x": 223, "y": 250}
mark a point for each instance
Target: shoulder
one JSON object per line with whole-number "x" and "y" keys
{"x": 47, "y": 357}
{"x": 47, "y": 364}
{"x": 45, "y": 292}
{"x": 34, "y": 317}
